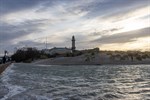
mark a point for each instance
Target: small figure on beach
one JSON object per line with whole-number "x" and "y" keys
{"x": 4, "y": 59}
{"x": 5, "y": 53}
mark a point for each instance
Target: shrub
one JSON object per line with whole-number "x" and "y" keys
{"x": 122, "y": 58}
{"x": 139, "y": 58}
{"x": 28, "y": 54}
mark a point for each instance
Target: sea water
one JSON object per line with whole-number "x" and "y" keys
{"x": 72, "y": 82}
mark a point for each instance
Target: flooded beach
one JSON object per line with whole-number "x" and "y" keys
{"x": 72, "y": 82}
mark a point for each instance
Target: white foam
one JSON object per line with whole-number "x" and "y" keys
{"x": 13, "y": 89}
{"x": 42, "y": 65}
{"x": 5, "y": 75}
{"x": 39, "y": 97}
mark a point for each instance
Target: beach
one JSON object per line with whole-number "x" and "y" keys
{"x": 98, "y": 59}
{"x": 4, "y": 66}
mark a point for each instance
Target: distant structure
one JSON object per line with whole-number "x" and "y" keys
{"x": 73, "y": 44}
{"x": 5, "y": 53}
{"x": 61, "y": 50}
{"x": 5, "y": 58}
{"x": 58, "y": 50}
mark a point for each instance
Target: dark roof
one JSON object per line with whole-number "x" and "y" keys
{"x": 61, "y": 48}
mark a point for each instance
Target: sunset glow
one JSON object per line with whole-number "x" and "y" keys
{"x": 98, "y": 23}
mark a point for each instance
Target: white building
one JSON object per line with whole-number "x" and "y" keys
{"x": 61, "y": 50}
{"x": 57, "y": 50}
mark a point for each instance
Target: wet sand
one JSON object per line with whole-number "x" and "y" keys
{"x": 3, "y": 67}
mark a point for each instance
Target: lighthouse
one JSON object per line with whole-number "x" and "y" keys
{"x": 73, "y": 44}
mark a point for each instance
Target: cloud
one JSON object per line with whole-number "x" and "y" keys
{"x": 30, "y": 43}
{"x": 104, "y": 32}
{"x": 94, "y": 8}
{"x": 7, "y": 6}
{"x": 26, "y": 20}
{"x": 123, "y": 37}
{"x": 112, "y": 7}
{"x": 9, "y": 32}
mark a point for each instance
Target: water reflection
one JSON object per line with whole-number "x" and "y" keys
{"x": 130, "y": 82}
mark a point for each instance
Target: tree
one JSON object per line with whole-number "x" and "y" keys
{"x": 29, "y": 54}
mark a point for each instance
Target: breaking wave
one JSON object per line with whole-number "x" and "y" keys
{"x": 48, "y": 82}
{"x": 12, "y": 89}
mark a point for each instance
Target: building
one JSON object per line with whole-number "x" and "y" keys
{"x": 57, "y": 50}
{"x": 61, "y": 50}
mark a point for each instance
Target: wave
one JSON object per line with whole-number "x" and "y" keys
{"x": 39, "y": 97}
{"x": 13, "y": 89}
{"x": 41, "y": 82}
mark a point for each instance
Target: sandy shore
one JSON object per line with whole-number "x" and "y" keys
{"x": 98, "y": 59}
{"x": 4, "y": 66}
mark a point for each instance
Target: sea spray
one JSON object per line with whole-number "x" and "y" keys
{"x": 46, "y": 82}
{"x": 13, "y": 89}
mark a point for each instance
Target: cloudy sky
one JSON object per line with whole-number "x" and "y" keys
{"x": 107, "y": 24}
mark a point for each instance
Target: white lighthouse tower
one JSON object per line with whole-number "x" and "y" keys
{"x": 73, "y": 44}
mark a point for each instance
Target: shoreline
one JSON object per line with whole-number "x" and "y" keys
{"x": 95, "y": 64}
{"x": 3, "y": 67}
{"x": 81, "y": 60}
